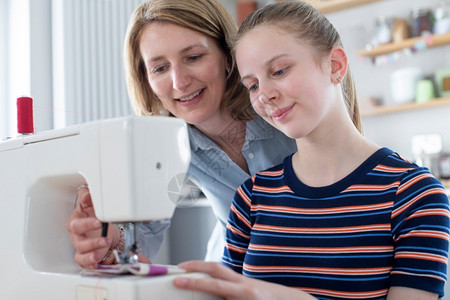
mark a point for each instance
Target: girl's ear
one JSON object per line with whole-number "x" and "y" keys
{"x": 339, "y": 64}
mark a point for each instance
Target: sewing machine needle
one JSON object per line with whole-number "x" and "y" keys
{"x": 104, "y": 229}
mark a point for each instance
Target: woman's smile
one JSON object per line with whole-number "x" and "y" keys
{"x": 191, "y": 99}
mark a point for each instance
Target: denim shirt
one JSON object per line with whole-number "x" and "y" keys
{"x": 218, "y": 177}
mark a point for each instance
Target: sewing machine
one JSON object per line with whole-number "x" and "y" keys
{"x": 127, "y": 164}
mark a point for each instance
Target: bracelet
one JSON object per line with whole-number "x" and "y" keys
{"x": 120, "y": 247}
{"x": 106, "y": 256}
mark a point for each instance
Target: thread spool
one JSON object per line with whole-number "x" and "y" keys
{"x": 25, "y": 115}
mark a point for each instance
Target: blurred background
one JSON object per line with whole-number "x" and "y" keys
{"x": 67, "y": 55}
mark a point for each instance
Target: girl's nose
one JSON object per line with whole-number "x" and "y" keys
{"x": 267, "y": 93}
{"x": 263, "y": 98}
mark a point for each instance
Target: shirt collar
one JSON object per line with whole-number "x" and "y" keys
{"x": 256, "y": 129}
{"x": 198, "y": 140}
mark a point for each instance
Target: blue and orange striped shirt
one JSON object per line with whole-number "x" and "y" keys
{"x": 385, "y": 224}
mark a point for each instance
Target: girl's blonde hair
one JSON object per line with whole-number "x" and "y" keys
{"x": 209, "y": 17}
{"x": 313, "y": 28}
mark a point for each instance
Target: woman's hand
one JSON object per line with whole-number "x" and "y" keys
{"x": 85, "y": 233}
{"x": 228, "y": 284}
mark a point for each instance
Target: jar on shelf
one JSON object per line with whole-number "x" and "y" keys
{"x": 441, "y": 19}
{"x": 400, "y": 30}
{"x": 382, "y": 33}
{"x": 422, "y": 22}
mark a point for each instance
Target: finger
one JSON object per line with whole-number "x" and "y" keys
{"x": 214, "y": 269}
{"x": 82, "y": 226}
{"x": 143, "y": 259}
{"x": 84, "y": 200}
{"x": 213, "y": 286}
{"x": 85, "y": 245}
{"x": 88, "y": 260}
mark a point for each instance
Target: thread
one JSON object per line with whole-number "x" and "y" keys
{"x": 25, "y": 123}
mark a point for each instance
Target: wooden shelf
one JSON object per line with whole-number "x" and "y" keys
{"x": 384, "y": 110}
{"x": 430, "y": 41}
{"x": 327, "y": 6}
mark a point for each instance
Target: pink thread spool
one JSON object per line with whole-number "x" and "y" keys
{"x": 25, "y": 115}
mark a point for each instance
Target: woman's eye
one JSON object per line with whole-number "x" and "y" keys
{"x": 194, "y": 58}
{"x": 159, "y": 69}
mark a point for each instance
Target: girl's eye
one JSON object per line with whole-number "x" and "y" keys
{"x": 280, "y": 72}
{"x": 253, "y": 87}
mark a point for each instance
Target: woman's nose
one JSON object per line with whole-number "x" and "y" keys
{"x": 180, "y": 78}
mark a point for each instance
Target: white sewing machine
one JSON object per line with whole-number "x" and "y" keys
{"x": 127, "y": 163}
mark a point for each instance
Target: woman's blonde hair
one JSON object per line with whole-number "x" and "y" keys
{"x": 209, "y": 17}
{"x": 313, "y": 28}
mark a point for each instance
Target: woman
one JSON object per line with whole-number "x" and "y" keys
{"x": 178, "y": 63}
{"x": 343, "y": 219}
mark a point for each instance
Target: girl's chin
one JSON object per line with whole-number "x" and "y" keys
{"x": 289, "y": 132}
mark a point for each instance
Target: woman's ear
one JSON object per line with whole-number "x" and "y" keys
{"x": 339, "y": 64}
{"x": 228, "y": 63}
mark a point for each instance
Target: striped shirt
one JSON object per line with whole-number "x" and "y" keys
{"x": 385, "y": 224}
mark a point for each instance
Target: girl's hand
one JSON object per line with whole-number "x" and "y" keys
{"x": 228, "y": 284}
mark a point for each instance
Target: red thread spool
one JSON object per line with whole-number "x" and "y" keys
{"x": 25, "y": 115}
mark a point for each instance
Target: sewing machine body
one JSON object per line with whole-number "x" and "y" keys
{"x": 127, "y": 164}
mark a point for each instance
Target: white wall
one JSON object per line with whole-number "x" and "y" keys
{"x": 4, "y": 8}
{"x": 16, "y": 62}
{"x": 41, "y": 76}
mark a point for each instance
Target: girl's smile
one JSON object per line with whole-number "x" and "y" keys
{"x": 282, "y": 113}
